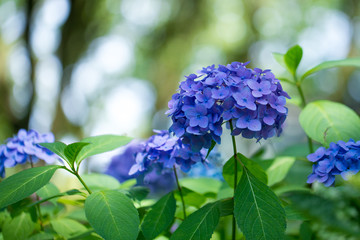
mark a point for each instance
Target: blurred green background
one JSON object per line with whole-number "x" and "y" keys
{"x": 80, "y": 68}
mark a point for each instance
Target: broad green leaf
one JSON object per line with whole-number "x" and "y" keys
{"x": 254, "y": 168}
{"x": 72, "y": 150}
{"x": 112, "y": 215}
{"x": 306, "y": 232}
{"x": 213, "y": 144}
{"x": 98, "y": 181}
{"x": 292, "y": 58}
{"x": 47, "y": 191}
{"x": 201, "y": 185}
{"x": 139, "y": 193}
{"x": 57, "y": 148}
{"x": 349, "y": 62}
{"x": 228, "y": 171}
{"x": 18, "y": 228}
{"x": 293, "y": 214}
{"x": 226, "y": 207}
{"x": 279, "y": 169}
{"x": 42, "y": 236}
{"x": 200, "y": 225}
{"x": 191, "y": 198}
{"x": 159, "y": 217}
{"x": 279, "y": 57}
{"x": 24, "y": 183}
{"x": 67, "y": 227}
{"x": 257, "y": 209}
{"x": 101, "y": 144}
{"x": 326, "y": 122}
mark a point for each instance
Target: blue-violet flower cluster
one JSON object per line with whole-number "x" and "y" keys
{"x": 23, "y": 146}
{"x": 341, "y": 158}
{"x": 252, "y": 99}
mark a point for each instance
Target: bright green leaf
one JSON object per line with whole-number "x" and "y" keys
{"x": 292, "y": 58}
{"x": 67, "y": 227}
{"x": 159, "y": 217}
{"x": 349, "y": 62}
{"x": 52, "y": 197}
{"x": 326, "y": 122}
{"x": 47, "y": 191}
{"x": 18, "y": 228}
{"x": 279, "y": 57}
{"x": 257, "y": 209}
{"x": 191, "y": 198}
{"x": 24, "y": 183}
{"x": 112, "y": 215}
{"x": 201, "y": 185}
{"x": 98, "y": 181}
{"x": 200, "y": 225}
{"x": 228, "y": 171}
{"x": 101, "y": 144}
{"x": 57, "y": 148}
{"x": 72, "y": 150}
{"x": 279, "y": 169}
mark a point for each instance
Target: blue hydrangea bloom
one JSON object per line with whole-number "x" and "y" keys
{"x": 341, "y": 158}
{"x": 157, "y": 181}
{"x": 252, "y": 99}
{"x": 212, "y": 167}
{"x": 22, "y": 146}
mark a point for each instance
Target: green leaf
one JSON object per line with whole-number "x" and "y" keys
{"x": 279, "y": 57}
{"x": 226, "y": 207}
{"x": 101, "y": 144}
{"x": 42, "y": 236}
{"x": 47, "y": 191}
{"x": 349, "y": 62}
{"x": 139, "y": 192}
{"x": 112, "y": 215}
{"x": 326, "y": 122}
{"x": 200, "y": 225}
{"x": 279, "y": 169}
{"x": 98, "y": 181}
{"x": 18, "y": 228}
{"x": 292, "y": 58}
{"x": 257, "y": 209}
{"x": 191, "y": 198}
{"x": 213, "y": 144}
{"x": 72, "y": 150}
{"x": 159, "y": 217}
{"x": 254, "y": 168}
{"x": 228, "y": 171}
{"x": 67, "y": 227}
{"x": 201, "y": 185}
{"x": 57, "y": 148}
{"x": 52, "y": 197}
{"x": 24, "y": 183}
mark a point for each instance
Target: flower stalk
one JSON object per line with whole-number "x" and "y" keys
{"x": 180, "y": 192}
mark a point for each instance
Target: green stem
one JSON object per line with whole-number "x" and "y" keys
{"x": 82, "y": 181}
{"x": 180, "y": 192}
{"x": 38, "y": 210}
{"x": 235, "y": 177}
{"x": 302, "y": 105}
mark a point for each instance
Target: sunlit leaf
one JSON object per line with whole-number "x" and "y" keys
{"x": 98, "y": 181}
{"x": 67, "y": 227}
{"x": 279, "y": 169}
{"x": 292, "y": 58}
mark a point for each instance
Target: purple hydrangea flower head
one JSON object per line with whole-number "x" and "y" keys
{"x": 23, "y": 146}
{"x": 341, "y": 158}
{"x": 252, "y": 99}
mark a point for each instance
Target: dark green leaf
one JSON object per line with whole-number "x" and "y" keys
{"x": 213, "y": 144}
{"x": 24, "y": 183}
{"x": 67, "y": 227}
{"x": 159, "y": 217}
{"x": 72, "y": 150}
{"x": 279, "y": 169}
{"x": 139, "y": 192}
{"x": 98, "y": 181}
{"x": 200, "y": 225}
{"x": 326, "y": 122}
{"x": 57, "y": 148}
{"x": 101, "y": 144}
{"x": 292, "y": 58}
{"x": 305, "y": 231}
{"x": 349, "y": 62}
{"x": 254, "y": 168}
{"x": 257, "y": 209}
{"x": 228, "y": 171}
{"x": 112, "y": 215}
{"x": 226, "y": 207}
{"x": 18, "y": 228}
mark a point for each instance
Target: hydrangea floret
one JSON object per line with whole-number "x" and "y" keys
{"x": 341, "y": 158}
{"x": 23, "y": 146}
{"x": 253, "y": 99}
